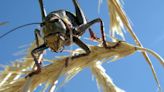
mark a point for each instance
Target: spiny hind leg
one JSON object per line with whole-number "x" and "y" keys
{"x": 81, "y": 18}
{"x": 82, "y": 28}
{"x": 79, "y": 13}
{"x": 43, "y": 12}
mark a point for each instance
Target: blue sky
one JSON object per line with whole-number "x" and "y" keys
{"x": 131, "y": 73}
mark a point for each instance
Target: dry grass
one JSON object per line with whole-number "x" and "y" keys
{"x": 119, "y": 20}
{"x": 11, "y": 78}
{"x": 52, "y": 72}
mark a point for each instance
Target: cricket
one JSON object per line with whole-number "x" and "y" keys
{"x": 61, "y": 28}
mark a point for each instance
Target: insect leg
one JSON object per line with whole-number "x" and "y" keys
{"x": 81, "y": 29}
{"x": 33, "y": 53}
{"x": 43, "y": 12}
{"x": 79, "y": 13}
{"x": 82, "y": 45}
{"x": 81, "y": 18}
{"x": 37, "y": 34}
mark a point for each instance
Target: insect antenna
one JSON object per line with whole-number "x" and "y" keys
{"x": 14, "y": 29}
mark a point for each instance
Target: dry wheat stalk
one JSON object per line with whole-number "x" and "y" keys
{"x": 119, "y": 20}
{"x": 52, "y": 72}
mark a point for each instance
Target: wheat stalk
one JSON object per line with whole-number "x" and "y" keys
{"x": 103, "y": 80}
{"x": 53, "y": 71}
{"x": 118, "y": 20}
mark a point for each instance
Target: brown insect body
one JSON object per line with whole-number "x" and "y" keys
{"x": 57, "y": 29}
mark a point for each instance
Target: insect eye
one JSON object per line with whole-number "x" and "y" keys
{"x": 54, "y": 20}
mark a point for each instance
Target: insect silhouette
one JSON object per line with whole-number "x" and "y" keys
{"x": 62, "y": 28}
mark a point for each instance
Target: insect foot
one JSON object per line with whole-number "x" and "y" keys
{"x": 37, "y": 71}
{"x": 114, "y": 46}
